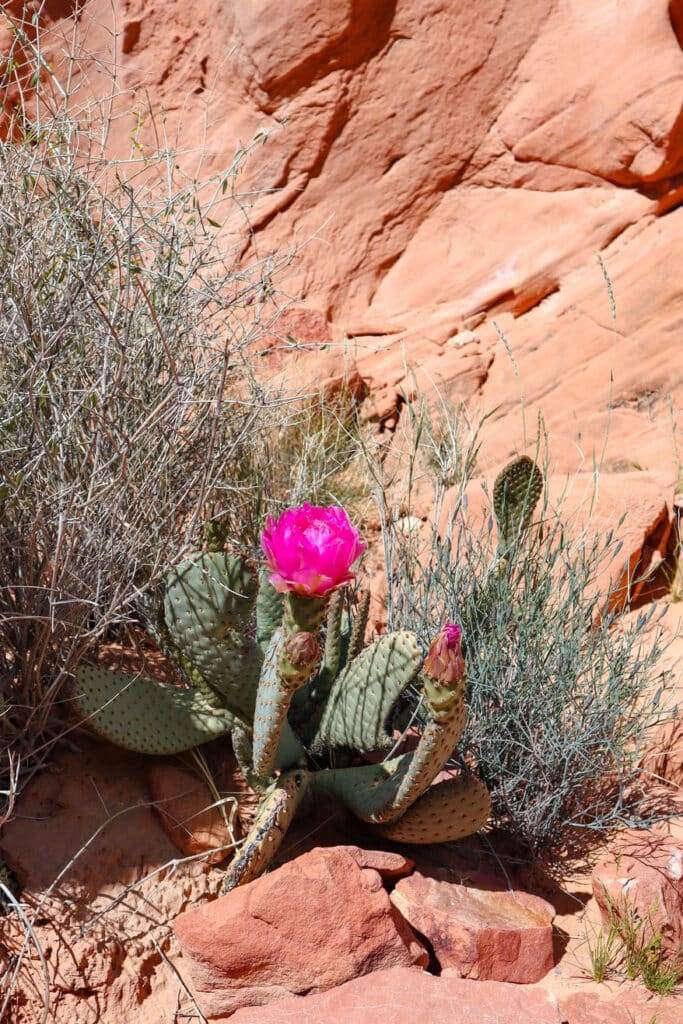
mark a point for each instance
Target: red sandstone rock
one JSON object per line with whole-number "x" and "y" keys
{"x": 483, "y": 933}
{"x": 309, "y": 926}
{"x": 634, "y": 1004}
{"x": 405, "y": 996}
{"x": 294, "y": 329}
{"x": 597, "y": 389}
{"x": 572, "y": 120}
{"x": 188, "y": 813}
{"x": 643, "y": 875}
{"x": 441, "y": 250}
{"x": 416, "y": 238}
{"x": 85, "y": 843}
{"x": 386, "y": 863}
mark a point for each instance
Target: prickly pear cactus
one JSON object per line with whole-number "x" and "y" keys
{"x": 516, "y": 492}
{"x": 285, "y": 669}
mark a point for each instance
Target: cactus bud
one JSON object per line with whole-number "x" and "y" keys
{"x": 301, "y": 650}
{"x": 297, "y": 659}
{"x": 444, "y": 662}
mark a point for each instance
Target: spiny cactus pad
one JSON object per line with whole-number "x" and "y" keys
{"x": 357, "y": 636}
{"x": 277, "y": 809}
{"x": 144, "y": 715}
{"x": 448, "y": 811}
{"x": 332, "y": 652}
{"x": 363, "y": 695}
{"x": 223, "y": 586}
{"x": 437, "y": 742}
{"x": 308, "y": 703}
{"x": 208, "y": 599}
{"x": 366, "y": 789}
{"x": 515, "y": 495}
{"x": 272, "y": 703}
{"x": 269, "y": 609}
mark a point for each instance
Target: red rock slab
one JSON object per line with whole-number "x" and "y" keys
{"x": 387, "y": 864}
{"x": 634, "y": 1004}
{"x": 582, "y": 120}
{"x": 483, "y": 933}
{"x": 313, "y": 924}
{"x": 643, "y": 875}
{"x": 406, "y": 996}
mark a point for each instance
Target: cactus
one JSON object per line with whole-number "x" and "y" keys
{"x": 294, "y": 706}
{"x": 515, "y": 495}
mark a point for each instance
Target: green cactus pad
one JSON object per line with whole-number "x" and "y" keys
{"x": 290, "y": 751}
{"x": 448, "y": 811}
{"x": 332, "y": 653}
{"x": 360, "y": 622}
{"x": 144, "y": 715}
{"x": 437, "y": 743}
{"x": 308, "y": 703}
{"x": 269, "y": 609}
{"x": 516, "y": 492}
{"x": 272, "y": 821}
{"x": 208, "y": 599}
{"x": 272, "y": 733}
{"x": 358, "y": 711}
{"x": 220, "y": 586}
{"x": 366, "y": 789}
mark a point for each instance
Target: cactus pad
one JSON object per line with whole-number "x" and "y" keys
{"x": 437, "y": 742}
{"x": 219, "y": 586}
{"x": 358, "y": 710}
{"x": 448, "y": 811}
{"x": 144, "y": 715}
{"x": 366, "y": 789}
{"x": 269, "y": 609}
{"x": 271, "y": 729}
{"x": 515, "y": 495}
{"x": 208, "y": 599}
{"x": 360, "y": 622}
{"x": 272, "y": 821}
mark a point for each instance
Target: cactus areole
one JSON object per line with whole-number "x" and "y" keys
{"x": 305, "y": 699}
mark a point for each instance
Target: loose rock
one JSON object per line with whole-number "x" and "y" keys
{"x": 481, "y": 932}
{"x": 311, "y": 925}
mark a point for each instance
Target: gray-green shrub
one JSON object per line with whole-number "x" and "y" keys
{"x": 561, "y": 699}
{"x": 127, "y": 399}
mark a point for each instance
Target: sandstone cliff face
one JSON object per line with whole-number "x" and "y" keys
{"x": 443, "y": 166}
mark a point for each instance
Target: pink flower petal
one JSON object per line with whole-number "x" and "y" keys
{"x": 310, "y": 549}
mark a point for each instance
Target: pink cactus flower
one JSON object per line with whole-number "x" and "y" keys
{"x": 444, "y": 661}
{"x": 311, "y": 550}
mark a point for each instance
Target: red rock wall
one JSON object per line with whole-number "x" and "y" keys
{"x": 443, "y": 165}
